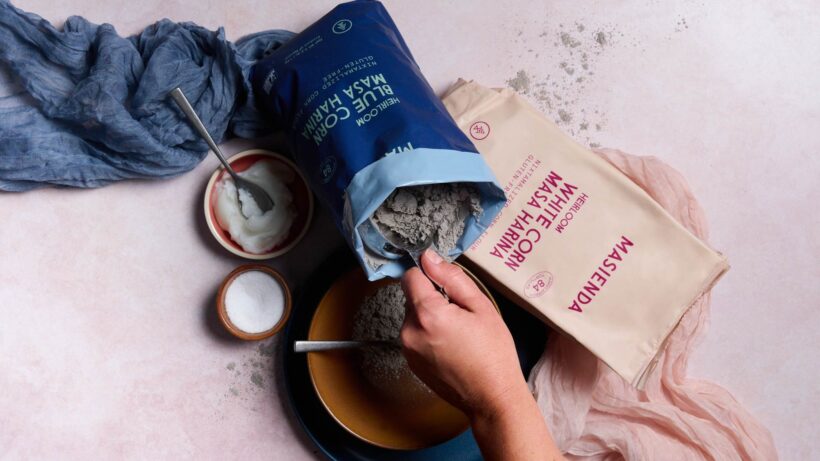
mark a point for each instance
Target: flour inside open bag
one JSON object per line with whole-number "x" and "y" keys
{"x": 363, "y": 122}
{"x": 578, "y": 243}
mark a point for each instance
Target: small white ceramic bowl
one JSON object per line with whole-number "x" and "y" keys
{"x": 302, "y": 203}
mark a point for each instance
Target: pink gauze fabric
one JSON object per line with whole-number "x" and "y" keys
{"x": 594, "y": 414}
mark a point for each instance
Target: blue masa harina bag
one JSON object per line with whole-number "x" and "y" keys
{"x": 362, "y": 121}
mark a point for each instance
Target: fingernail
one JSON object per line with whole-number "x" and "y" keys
{"x": 434, "y": 257}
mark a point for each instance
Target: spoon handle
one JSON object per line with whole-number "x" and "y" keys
{"x": 179, "y": 97}
{"x": 314, "y": 346}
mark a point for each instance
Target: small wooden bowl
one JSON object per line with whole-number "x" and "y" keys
{"x": 223, "y": 313}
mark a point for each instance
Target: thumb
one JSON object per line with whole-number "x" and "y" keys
{"x": 456, "y": 283}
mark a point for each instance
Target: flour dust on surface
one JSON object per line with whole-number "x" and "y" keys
{"x": 573, "y": 48}
{"x": 251, "y": 376}
{"x": 562, "y": 93}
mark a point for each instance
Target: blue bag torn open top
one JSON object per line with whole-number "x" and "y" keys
{"x": 363, "y": 121}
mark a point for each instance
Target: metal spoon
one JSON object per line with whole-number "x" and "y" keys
{"x": 314, "y": 346}
{"x": 415, "y": 251}
{"x": 262, "y": 199}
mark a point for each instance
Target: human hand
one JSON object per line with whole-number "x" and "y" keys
{"x": 460, "y": 348}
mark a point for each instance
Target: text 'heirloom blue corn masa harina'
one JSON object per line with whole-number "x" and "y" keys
{"x": 363, "y": 121}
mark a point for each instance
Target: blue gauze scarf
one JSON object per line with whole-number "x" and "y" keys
{"x": 84, "y": 107}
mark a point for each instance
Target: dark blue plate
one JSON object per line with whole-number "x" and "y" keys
{"x": 529, "y": 334}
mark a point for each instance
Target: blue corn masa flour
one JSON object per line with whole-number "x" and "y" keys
{"x": 363, "y": 122}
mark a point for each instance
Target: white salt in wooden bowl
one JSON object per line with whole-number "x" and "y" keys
{"x": 222, "y": 305}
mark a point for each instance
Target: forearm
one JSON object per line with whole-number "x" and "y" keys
{"x": 513, "y": 429}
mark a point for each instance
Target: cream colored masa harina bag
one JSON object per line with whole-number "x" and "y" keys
{"x": 579, "y": 244}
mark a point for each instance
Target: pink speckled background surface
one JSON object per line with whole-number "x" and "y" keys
{"x": 107, "y": 347}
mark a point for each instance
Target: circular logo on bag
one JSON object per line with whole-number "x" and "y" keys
{"x": 538, "y": 284}
{"x": 326, "y": 169}
{"x": 341, "y": 26}
{"x": 479, "y": 130}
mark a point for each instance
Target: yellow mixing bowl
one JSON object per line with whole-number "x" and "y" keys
{"x": 403, "y": 419}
